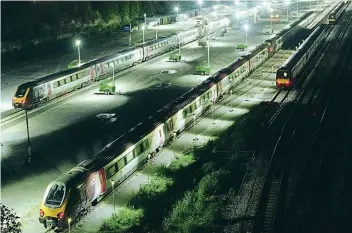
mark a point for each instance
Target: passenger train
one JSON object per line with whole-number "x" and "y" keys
{"x": 287, "y": 74}
{"x": 32, "y": 94}
{"x": 90, "y": 181}
{"x": 335, "y": 15}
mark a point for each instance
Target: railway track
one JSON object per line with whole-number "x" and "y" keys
{"x": 325, "y": 173}
{"x": 273, "y": 196}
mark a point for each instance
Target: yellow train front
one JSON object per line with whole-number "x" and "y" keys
{"x": 53, "y": 209}
{"x": 283, "y": 78}
{"x": 23, "y": 96}
{"x": 70, "y": 194}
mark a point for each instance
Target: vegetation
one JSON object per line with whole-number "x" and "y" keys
{"x": 125, "y": 219}
{"x": 35, "y": 21}
{"x": 153, "y": 200}
{"x": 192, "y": 193}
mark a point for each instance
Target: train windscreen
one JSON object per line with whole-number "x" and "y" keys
{"x": 21, "y": 91}
{"x": 55, "y": 195}
{"x": 282, "y": 74}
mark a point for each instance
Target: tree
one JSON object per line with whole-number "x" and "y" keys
{"x": 125, "y": 13}
{"x": 135, "y": 9}
{"x": 9, "y": 221}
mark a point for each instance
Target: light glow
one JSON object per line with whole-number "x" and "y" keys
{"x": 78, "y": 42}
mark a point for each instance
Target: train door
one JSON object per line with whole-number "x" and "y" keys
{"x": 102, "y": 180}
{"x": 92, "y": 74}
{"x": 219, "y": 88}
{"x": 38, "y": 93}
{"x": 48, "y": 87}
{"x": 214, "y": 94}
{"x": 161, "y": 137}
{"x": 74, "y": 203}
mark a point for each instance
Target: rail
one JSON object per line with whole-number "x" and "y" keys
{"x": 261, "y": 223}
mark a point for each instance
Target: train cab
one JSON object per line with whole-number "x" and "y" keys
{"x": 70, "y": 194}
{"x": 332, "y": 19}
{"x": 53, "y": 207}
{"x": 22, "y": 98}
{"x": 283, "y": 78}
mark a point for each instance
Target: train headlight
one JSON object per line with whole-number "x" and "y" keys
{"x": 60, "y": 215}
{"x": 41, "y": 213}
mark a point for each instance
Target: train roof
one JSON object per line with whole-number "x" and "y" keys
{"x": 142, "y": 129}
{"x": 73, "y": 177}
{"x": 285, "y": 31}
{"x": 292, "y": 61}
{"x": 84, "y": 66}
{"x": 155, "y": 41}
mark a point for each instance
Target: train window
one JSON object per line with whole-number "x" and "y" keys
{"x": 111, "y": 171}
{"x": 68, "y": 79}
{"x": 106, "y": 65}
{"x": 129, "y": 157}
{"x": 184, "y": 113}
{"x": 62, "y": 82}
{"x": 73, "y": 78}
{"x": 145, "y": 145}
{"x": 121, "y": 163}
{"x": 56, "y": 84}
{"x": 137, "y": 151}
{"x": 56, "y": 195}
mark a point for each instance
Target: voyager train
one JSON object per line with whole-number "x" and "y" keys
{"x": 90, "y": 181}
{"x": 335, "y": 15}
{"x": 32, "y": 94}
{"x": 287, "y": 74}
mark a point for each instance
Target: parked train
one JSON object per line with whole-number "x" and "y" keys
{"x": 90, "y": 181}
{"x": 32, "y": 94}
{"x": 287, "y": 74}
{"x": 335, "y": 15}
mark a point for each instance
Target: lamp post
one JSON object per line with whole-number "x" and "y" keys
{"x": 78, "y": 42}
{"x": 149, "y": 157}
{"x": 145, "y": 19}
{"x": 194, "y": 124}
{"x": 69, "y": 220}
{"x": 28, "y": 139}
{"x": 246, "y": 29}
{"x": 179, "y": 43}
{"x": 143, "y": 27}
{"x": 156, "y": 31}
{"x": 199, "y": 5}
{"x": 113, "y": 194}
{"x": 130, "y": 39}
{"x": 287, "y": 5}
{"x": 271, "y": 18}
{"x": 113, "y": 76}
{"x": 176, "y": 9}
{"x": 208, "y": 43}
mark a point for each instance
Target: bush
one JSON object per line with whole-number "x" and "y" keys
{"x": 197, "y": 211}
{"x": 182, "y": 161}
{"x": 151, "y": 192}
{"x": 125, "y": 220}
{"x": 191, "y": 214}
